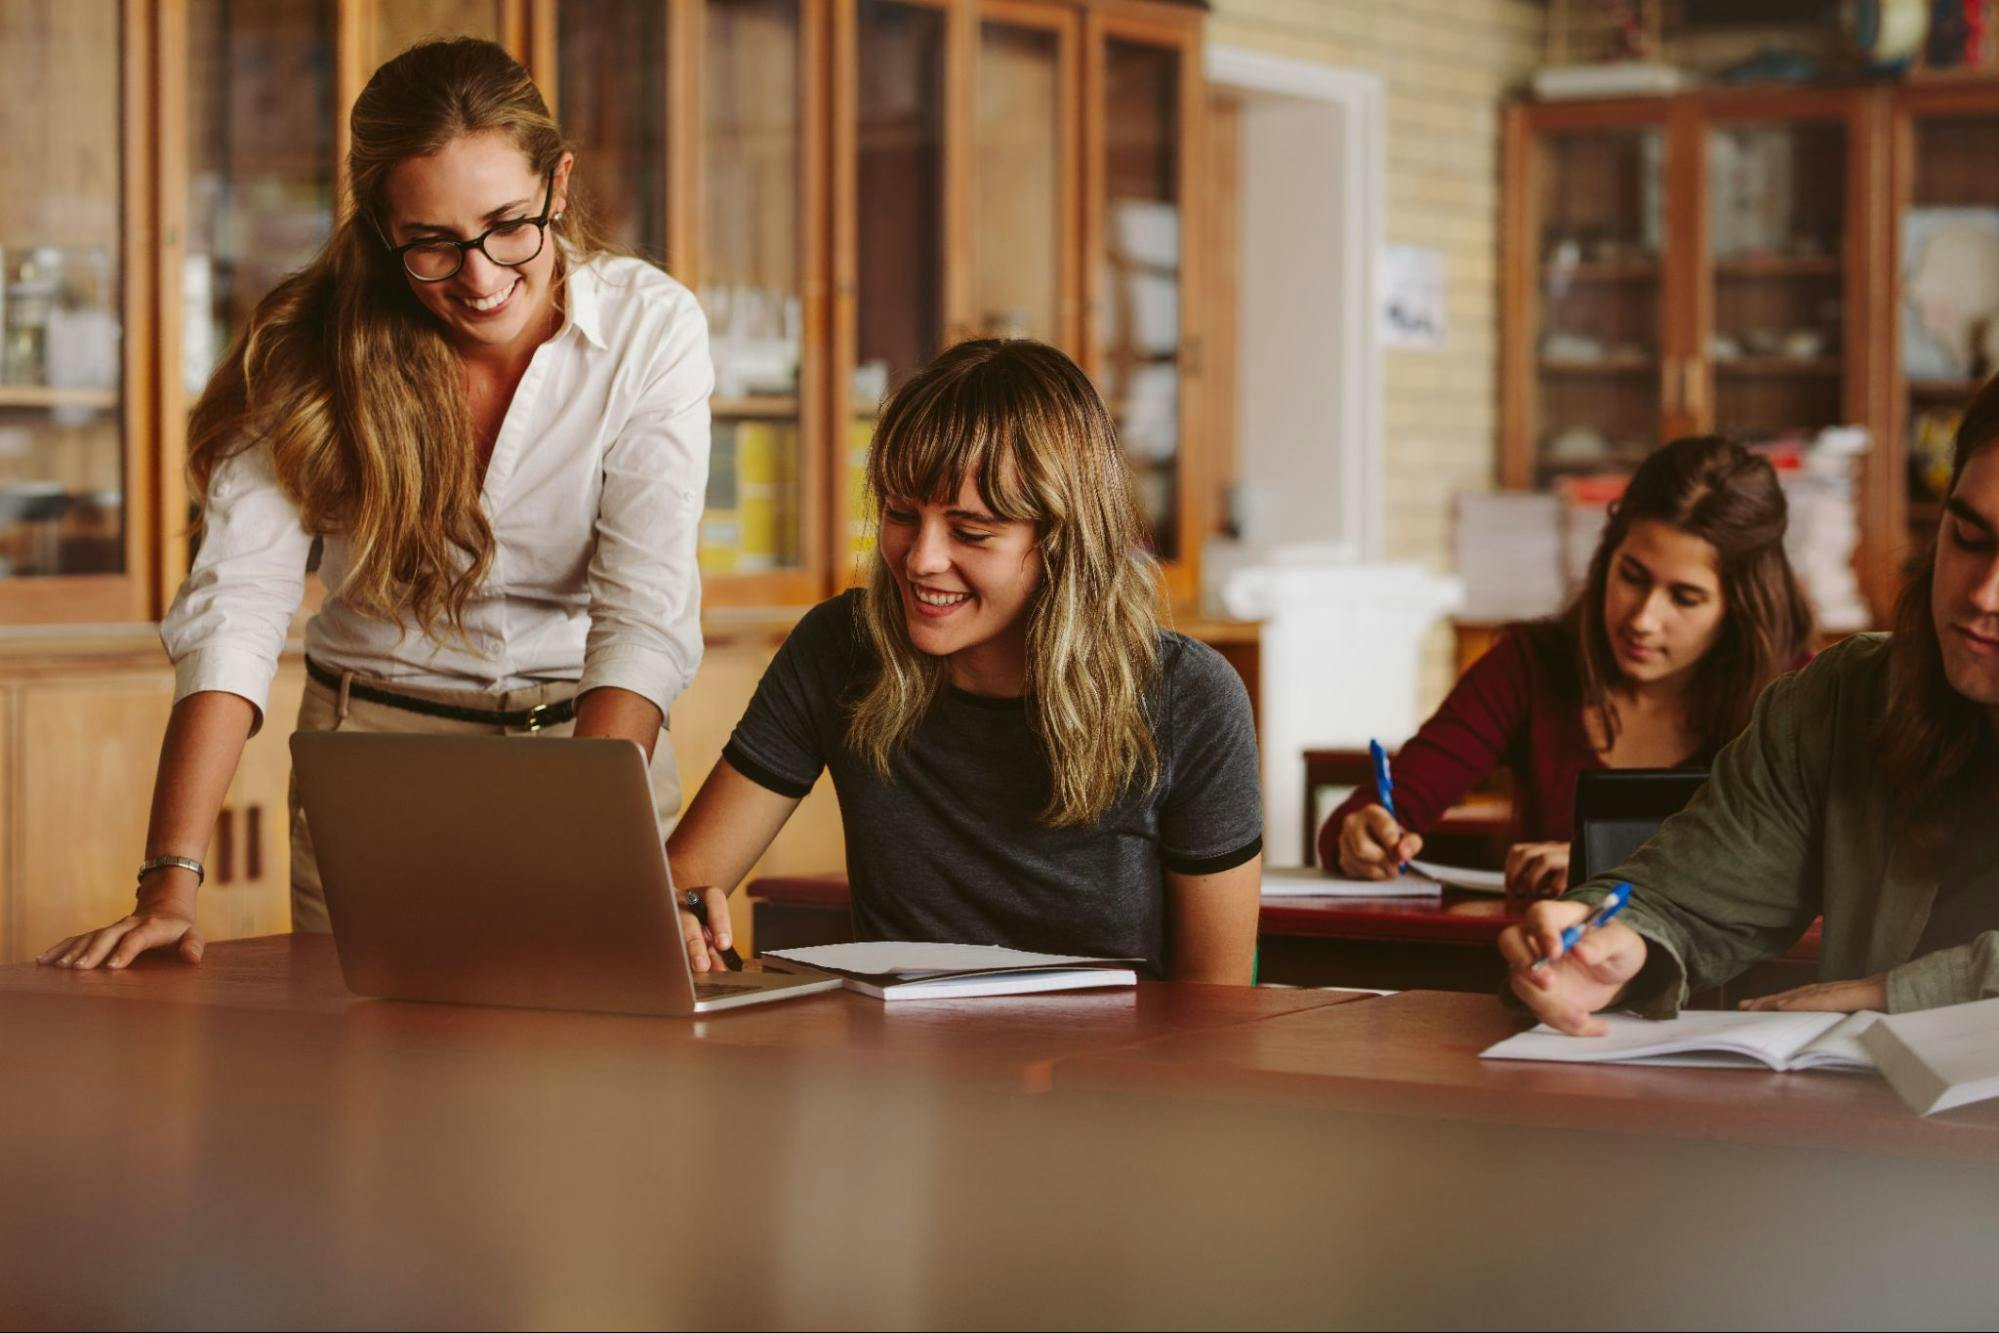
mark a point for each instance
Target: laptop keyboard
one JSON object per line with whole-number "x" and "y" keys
{"x": 721, "y": 990}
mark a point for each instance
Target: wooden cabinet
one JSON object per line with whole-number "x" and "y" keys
{"x": 79, "y": 743}
{"x": 1706, "y": 263}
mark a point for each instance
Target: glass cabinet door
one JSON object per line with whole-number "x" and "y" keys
{"x": 1599, "y": 198}
{"x": 260, "y": 160}
{"x": 1137, "y": 352}
{"x": 65, "y": 475}
{"x": 1776, "y": 242}
{"x": 1023, "y": 175}
{"x": 752, "y": 284}
{"x": 899, "y": 231}
{"x": 1947, "y": 286}
{"x": 611, "y": 100}
{"x": 397, "y": 25}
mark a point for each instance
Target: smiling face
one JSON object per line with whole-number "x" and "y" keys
{"x": 1964, "y": 595}
{"x": 967, "y": 578}
{"x": 475, "y": 182}
{"x": 1662, "y": 603}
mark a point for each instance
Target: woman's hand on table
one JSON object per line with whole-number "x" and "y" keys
{"x": 1839, "y": 997}
{"x": 1567, "y": 993}
{"x": 1537, "y": 869}
{"x": 1373, "y": 845}
{"x": 163, "y": 918}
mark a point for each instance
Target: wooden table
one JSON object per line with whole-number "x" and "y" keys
{"x": 244, "y": 1145}
{"x": 1018, "y": 1038}
{"x": 1447, "y": 943}
{"x": 1416, "y": 1054}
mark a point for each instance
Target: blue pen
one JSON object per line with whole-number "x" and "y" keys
{"x": 1384, "y": 788}
{"x": 1605, "y": 910}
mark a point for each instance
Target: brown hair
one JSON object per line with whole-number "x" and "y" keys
{"x": 1931, "y": 737}
{"x": 1026, "y": 424}
{"x": 352, "y": 383}
{"x": 1714, "y": 489}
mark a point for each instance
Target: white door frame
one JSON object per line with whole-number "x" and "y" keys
{"x": 1360, "y": 167}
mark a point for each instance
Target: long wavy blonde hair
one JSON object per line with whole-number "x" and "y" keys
{"x": 1025, "y": 423}
{"x": 352, "y": 383}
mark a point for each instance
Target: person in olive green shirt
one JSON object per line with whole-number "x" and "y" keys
{"x": 1865, "y": 788}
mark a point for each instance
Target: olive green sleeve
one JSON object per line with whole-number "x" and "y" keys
{"x": 1948, "y": 976}
{"x": 1729, "y": 881}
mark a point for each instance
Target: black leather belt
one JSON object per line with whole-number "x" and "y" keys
{"x": 531, "y": 719}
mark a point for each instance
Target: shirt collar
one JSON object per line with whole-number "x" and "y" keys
{"x": 582, "y": 301}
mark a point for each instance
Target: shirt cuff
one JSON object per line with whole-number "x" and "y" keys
{"x": 1212, "y": 865}
{"x": 240, "y": 671}
{"x": 1948, "y": 976}
{"x": 654, "y": 676}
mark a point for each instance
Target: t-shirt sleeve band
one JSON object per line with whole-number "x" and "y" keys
{"x": 762, "y": 776}
{"x": 1213, "y": 865}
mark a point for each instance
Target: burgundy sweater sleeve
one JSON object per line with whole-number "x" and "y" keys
{"x": 1465, "y": 740}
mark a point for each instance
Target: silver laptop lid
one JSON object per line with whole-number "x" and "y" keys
{"x": 494, "y": 870}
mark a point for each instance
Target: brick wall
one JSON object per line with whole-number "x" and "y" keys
{"x": 1446, "y": 66}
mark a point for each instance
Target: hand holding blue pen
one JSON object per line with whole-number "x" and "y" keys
{"x": 1384, "y": 789}
{"x": 1608, "y": 908}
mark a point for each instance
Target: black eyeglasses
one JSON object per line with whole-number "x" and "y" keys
{"x": 508, "y": 244}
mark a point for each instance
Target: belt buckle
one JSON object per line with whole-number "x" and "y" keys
{"x": 534, "y": 718}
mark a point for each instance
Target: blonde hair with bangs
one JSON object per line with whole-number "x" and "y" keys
{"x": 1024, "y": 422}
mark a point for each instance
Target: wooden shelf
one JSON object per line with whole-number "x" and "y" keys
{"x": 1609, "y": 365}
{"x": 1944, "y": 391}
{"x": 40, "y": 395}
{"x": 1780, "y": 366}
{"x": 771, "y": 405}
{"x": 1604, "y": 270}
{"x": 1780, "y": 266}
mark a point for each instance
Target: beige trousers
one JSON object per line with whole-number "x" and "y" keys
{"x": 327, "y": 709}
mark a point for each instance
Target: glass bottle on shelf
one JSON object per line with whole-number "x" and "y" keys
{"x": 62, "y": 292}
{"x": 899, "y": 223}
{"x": 1600, "y": 200}
{"x": 751, "y": 285}
{"x": 1139, "y": 354}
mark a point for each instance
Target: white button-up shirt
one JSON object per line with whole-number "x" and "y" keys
{"x": 594, "y": 493}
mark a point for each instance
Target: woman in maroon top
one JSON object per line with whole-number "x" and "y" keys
{"x": 1690, "y": 609}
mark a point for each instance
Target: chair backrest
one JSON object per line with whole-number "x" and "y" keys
{"x": 1619, "y": 809}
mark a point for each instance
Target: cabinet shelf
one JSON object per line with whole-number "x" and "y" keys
{"x": 1944, "y": 391}
{"x": 1605, "y": 270}
{"x": 1780, "y": 266}
{"x": 754, "y": 407}
{"x": 41, "y": 395}
{"x": 1606, "y": 366}
{"x": 1780, "y": 367}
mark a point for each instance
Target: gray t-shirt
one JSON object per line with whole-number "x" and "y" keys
{"x": 948, "y": 848}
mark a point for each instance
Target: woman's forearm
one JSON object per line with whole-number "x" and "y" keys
{"x": 198, "y": 758}
{"x": 610, "y": 711}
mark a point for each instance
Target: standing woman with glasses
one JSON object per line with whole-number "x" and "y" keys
{"x": 500, "y": 433}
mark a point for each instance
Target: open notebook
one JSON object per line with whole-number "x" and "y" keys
{"x": 898, "y": 970}
{"x": 1426, "y": 879}
{"x": 1939, "y": 1058}
{"x": 1709, "y": 1040}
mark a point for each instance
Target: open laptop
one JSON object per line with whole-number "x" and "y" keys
{"x": 1619, "y": 809}
{"x": 496, "y": 870}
